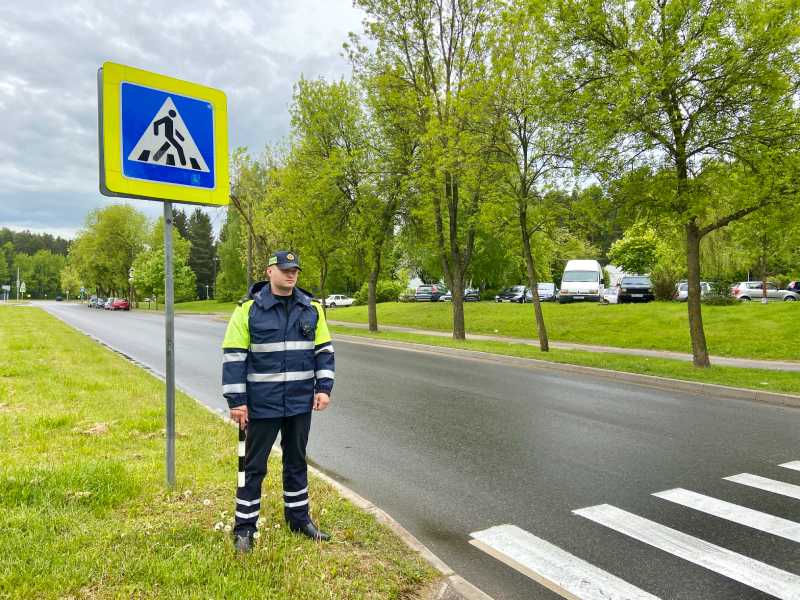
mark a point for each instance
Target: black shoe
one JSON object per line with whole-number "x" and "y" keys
{"x": 310, "y": 531}
{"x": 243, "y": 542}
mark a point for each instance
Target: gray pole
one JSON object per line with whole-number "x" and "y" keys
{"x": 17, "y": 284}
{"x": 169, "y": 314}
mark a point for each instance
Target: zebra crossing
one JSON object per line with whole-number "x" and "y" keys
{"x": 576, "y": 579}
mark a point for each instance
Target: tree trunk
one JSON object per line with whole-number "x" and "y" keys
{"x": 533, "y": 283}
{"x": 456, "y": 264}
{"x": 459, "y": 332}
{"x": 699, "y": 347}
{"x": 372, "y": 297}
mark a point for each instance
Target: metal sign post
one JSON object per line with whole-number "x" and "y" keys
{"x": 162, "y": 139}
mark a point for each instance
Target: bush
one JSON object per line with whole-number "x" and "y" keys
{"x": 490, "y": 293}
{"x": 720, "y": 294}
{"x": 386, "y": 291}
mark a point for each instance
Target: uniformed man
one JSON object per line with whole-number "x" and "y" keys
{"x": 277, "y": 366}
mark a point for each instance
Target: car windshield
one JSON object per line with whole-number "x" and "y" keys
{"x": 580, "y": 276}
{"x": 636, "y": 281}
{"x": 546, "y": 286}
{"x": 517, "y": 289}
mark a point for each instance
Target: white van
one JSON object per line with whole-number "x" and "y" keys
{"x": 582, "y": 280}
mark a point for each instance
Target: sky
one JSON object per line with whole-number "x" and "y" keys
{"x": 50, "y": 51}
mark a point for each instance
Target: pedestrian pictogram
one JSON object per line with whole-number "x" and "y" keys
{"x": 167, "y": 141}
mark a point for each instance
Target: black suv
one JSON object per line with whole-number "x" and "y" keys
{"x": 635, "y": 288}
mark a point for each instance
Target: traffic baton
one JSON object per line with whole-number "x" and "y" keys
{"x": 242, "y": 438}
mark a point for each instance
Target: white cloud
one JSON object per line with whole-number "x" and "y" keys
{"x": 50, "y": 53}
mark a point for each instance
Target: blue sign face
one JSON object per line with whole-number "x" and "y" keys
{"x": 166, "y": 137}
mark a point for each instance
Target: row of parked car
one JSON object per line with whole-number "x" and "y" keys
{"x": 746, "y": 291}
{"x": 109, "y": 303}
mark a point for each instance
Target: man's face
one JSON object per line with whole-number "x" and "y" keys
{"x": 282, "y": 279}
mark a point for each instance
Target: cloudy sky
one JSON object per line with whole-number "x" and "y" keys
{"x": 254, "y": 50}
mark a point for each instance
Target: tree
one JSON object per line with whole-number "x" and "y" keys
{"x": 201, "y": 253}
{"x": 70, "y": 280}
{"x": 181, "y": 223}
{"x": 149, "y": 266}
{"x": 686, "y": 83}
{"x": 436, "y": 53}
{"x": 636, "y": 251}
{"x": 231, "y": 281}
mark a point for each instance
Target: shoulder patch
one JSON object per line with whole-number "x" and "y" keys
{"x": 242, "y": 300}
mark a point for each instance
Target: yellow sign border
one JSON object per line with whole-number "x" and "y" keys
{"x": 112, "y": 180}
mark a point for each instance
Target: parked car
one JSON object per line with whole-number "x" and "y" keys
{"x": 746, "y": 291}
{"x": 794, "y": 286}
{"x": 338, "y": 300}
{"x": 92, "y": 302}
{"x": 682, "y": 290}
{"x": 59, "y": 298}
{"x": 470, "y": 295}
{"x": 515, "y": 293}
{"x": 97, "y": 302}
{"x": 582, "y": 280}
{"x": 429, "y": 293}
{"x": 547, "y": 292}
{"x": 635, "y": 288}
{"x": 611, "y": 295}
{"x": 120, "y": 304}
{"x": 109, "y": 302}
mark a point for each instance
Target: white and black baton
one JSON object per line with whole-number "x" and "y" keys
{"x": 242, "y": 438}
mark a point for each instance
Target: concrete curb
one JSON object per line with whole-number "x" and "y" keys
{"x": 705, "y": 389}
{"x": 451, "y": 587}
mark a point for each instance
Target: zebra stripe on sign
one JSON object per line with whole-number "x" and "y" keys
{"x": 748, "y": 571}
{"x": 553, "y": 567}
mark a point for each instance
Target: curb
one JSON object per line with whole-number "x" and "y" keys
{"x": 706, "y": 389}
{"x": 452, "y": 587}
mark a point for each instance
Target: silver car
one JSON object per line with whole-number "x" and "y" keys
{"x": 682, "y": 290}
{"x": 746, "y": 291}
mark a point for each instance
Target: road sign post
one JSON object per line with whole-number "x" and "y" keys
{"x": 162, "y": 139}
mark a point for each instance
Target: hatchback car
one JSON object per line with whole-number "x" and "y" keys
{"x": 682, "y": 291}
{"x": 515, "y": 293}
{"x": 635, "y": 288}
{"x": 429, "y": 293}
{"x": 470, "y": 295}
{"x": 120, "y": 304}
{"x": 746, "y": 291}
{"x": 109, "y": 303}
{"x": 547, "y": 292}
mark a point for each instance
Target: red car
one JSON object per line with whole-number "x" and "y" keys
{"x": 120, "y": 304}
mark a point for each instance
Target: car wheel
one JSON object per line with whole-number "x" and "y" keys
{"x": 333, "y": 304}
{"x": 744, "y": 299}
{"x": 790, "y": 299}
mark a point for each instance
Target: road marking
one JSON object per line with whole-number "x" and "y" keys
{"x": 795, "y": 464}
{"x": 733, "y": 512}
{"x": 748, "y": 571}
{"x": 554, "y": 568}
{"x": 770, "y": 485}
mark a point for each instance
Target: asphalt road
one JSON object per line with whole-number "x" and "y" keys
{"x": 450, "y": 446}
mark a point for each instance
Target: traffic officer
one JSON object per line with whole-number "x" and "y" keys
{"x": 277, "y": 366}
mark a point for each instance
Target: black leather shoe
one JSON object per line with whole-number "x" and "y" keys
{"x": 243, "y": 542}
{"x": 310, "y": 531}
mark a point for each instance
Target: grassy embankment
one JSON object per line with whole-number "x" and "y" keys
{"x": 83, "y": 506}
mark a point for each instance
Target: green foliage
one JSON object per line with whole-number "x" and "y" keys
{"x": 385, "y": 291}
{"x": 40, "y": 272}
{"x": 637, "y": 251}
{"x": 26, "y": 242}
{"x": 231, "y": 281}
{"x": 149, "y": 266}
{"x": 201, "y": 253}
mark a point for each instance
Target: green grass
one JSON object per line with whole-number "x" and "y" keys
{"x": 83, "y": 507}
{"x": 742, "y": 330}
{"x": 758, "y": 379}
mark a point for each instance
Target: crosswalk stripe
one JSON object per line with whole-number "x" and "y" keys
{"x": 748, "y": 571}
{"x": 733, "y": 512}
{"x": 770, "y": 485}
{"x": 553, "y": 567}
{"x": 795, "y": 465}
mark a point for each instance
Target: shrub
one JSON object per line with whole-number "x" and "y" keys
{"x": 720, "y": 294}
{"x": 386, "y": 291}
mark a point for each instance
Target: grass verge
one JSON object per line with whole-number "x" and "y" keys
{"x": 84, "y": 512}
{"x": 757, "y": 379}
{"x": 751, "y": 330}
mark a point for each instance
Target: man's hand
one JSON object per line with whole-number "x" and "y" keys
{"x": 239, "y": 415}
{"x": 321, "y": 401}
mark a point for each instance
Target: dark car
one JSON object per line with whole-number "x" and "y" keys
{"x": 429, "y": 293}
{"x": 98, "y": 303}
{"x": 635, "y": 288}
{"x": 59, "y": 298}
{"x": 515, "y": 293}
{"x": 470, "y": 295}
{"x": 794, "y": 286}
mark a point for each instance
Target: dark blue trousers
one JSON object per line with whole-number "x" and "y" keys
{"x": 261, "y": 435}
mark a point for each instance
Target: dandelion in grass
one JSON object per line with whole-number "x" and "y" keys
{"x": 206, "y": 502}
{"x": 228, "y": 528}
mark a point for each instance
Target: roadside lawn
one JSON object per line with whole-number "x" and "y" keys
{"x": 84, "y": 512}
{"x": 758, "y": 379}
{"x": 749, "y": 330}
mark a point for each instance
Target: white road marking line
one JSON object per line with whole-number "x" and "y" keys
{"x": 770, "y": 485}
{"x": 743, "y": 569}
{"x": 733, "y": 512}
{"x": 554, "y": 568}
{"x": 795, "y": 465}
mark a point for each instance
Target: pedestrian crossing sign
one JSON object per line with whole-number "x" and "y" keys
{"x": 161, "y": 138}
